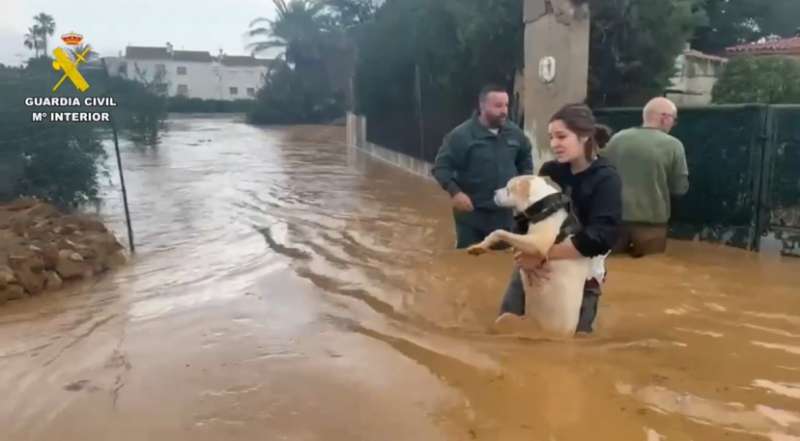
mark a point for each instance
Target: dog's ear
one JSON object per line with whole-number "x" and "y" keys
{"x": 522, "y": 190}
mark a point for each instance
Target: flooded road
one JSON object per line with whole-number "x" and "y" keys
{"x": 286, "y": 288}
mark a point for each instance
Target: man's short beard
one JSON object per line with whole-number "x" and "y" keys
{"x": 496, "y": 122}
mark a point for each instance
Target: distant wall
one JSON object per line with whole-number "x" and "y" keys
{"x": 204, "y": 80}
{"x": 357, "y": 138}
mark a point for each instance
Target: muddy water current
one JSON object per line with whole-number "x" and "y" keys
{"x": 287, "y": 288}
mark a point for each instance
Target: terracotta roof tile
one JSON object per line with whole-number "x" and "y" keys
{"x": 780, "y": 46}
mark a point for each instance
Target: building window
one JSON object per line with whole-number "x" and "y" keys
{"x": 183, "y": 90}
{"x": 251, "y": 91}
{"x": 123, "y": 69}
{"x": 181, "y": 70}
{"x": 161, "y": 68}
{"x": 234, "y": 90}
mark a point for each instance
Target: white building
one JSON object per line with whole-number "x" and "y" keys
{"x": 696, "y": 74}
{"x": 193, "y": 74}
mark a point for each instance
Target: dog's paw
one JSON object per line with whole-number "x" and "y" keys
{"x": 477, "y": 250}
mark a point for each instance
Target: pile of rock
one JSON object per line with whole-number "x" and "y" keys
{"x": 41, "y": 247}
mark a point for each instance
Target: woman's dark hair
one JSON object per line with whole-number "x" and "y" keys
{"x": 579, "y": 119}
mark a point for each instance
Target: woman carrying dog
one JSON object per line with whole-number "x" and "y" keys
{"x": 595, "y": 189}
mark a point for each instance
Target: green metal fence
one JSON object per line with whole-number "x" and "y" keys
{"x": 744, "y": 164}
{"x": 781, "y": 195}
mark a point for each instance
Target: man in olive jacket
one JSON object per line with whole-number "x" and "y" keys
{"x": 478, "y": 157}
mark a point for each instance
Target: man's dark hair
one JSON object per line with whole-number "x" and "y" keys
{"x": 489, "y": 88}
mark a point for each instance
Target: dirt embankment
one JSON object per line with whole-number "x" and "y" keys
{"x": 40, "y": 248}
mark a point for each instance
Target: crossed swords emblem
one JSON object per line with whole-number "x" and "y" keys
{"x": 70, "y": 68}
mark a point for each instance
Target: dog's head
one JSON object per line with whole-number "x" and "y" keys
{"x": 523, "y": 191}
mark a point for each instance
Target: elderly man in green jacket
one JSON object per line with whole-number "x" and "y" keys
{"x": 478, "y": 157}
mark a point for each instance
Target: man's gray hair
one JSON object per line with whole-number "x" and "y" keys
{"x": 654, "y": 107}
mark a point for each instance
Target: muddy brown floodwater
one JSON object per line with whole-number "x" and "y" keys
{"x": 286, "y": 288}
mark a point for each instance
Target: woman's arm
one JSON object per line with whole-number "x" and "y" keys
{"x": 563, "y": 250}
{"x": 601, "y": 231}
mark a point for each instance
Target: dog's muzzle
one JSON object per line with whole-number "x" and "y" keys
{"x": 502, "y": 198}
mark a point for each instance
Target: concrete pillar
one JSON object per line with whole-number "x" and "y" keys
{"x": 362, "y": 131}
{"x": 356, "y": 132}
{"x": 556, "y": 63}
{"x": 351, "y": 130}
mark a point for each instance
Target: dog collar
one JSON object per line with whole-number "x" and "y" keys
{"x": 548, "y": 205}
{"x": 545, "y": 208}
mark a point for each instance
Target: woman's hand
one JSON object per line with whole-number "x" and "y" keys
{"x": 535, "y": 267}
{"x": 528, "y": 262}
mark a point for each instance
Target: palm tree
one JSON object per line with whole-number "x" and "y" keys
{"x": 298, "y": 32}
{"x": 32, "y": 40}
{"x": 351, "y": 14}
{"x": 46, "y": 28}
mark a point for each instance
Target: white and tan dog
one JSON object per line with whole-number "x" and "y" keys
{"x": 552, "y": 305}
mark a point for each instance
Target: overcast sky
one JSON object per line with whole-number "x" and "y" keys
{"x": 109, "y": 25}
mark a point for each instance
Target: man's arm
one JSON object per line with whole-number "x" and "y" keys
{"x": 524, "y": 159}
{"x": 448, "y": 162}
{"x": 679, "y": 172}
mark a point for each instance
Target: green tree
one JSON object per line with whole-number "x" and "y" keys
{"x": 733, "y": 22}
{"x": 768, "y": 80}
{"x": 456, "y": 45}
{"x": 58, "y": 162}
{"x": 351, "y": 14}
{"x": 286, "y": 99}
{"x": 63, "y": 162}
{"x": 421, "y": 63}
{"x": 298, "y": 32}
{"x": 300, "y": 86}
{"x": 730, "y": 22}
{"x": 634, "y": 44}
{"x": 460, "y": 44}
{"x": 782, "y": 17}
{"x": 145, "y": 110}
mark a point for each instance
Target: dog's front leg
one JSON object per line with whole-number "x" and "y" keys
{"x": 486, "y": 245}
{"x": 526, "y": 243}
